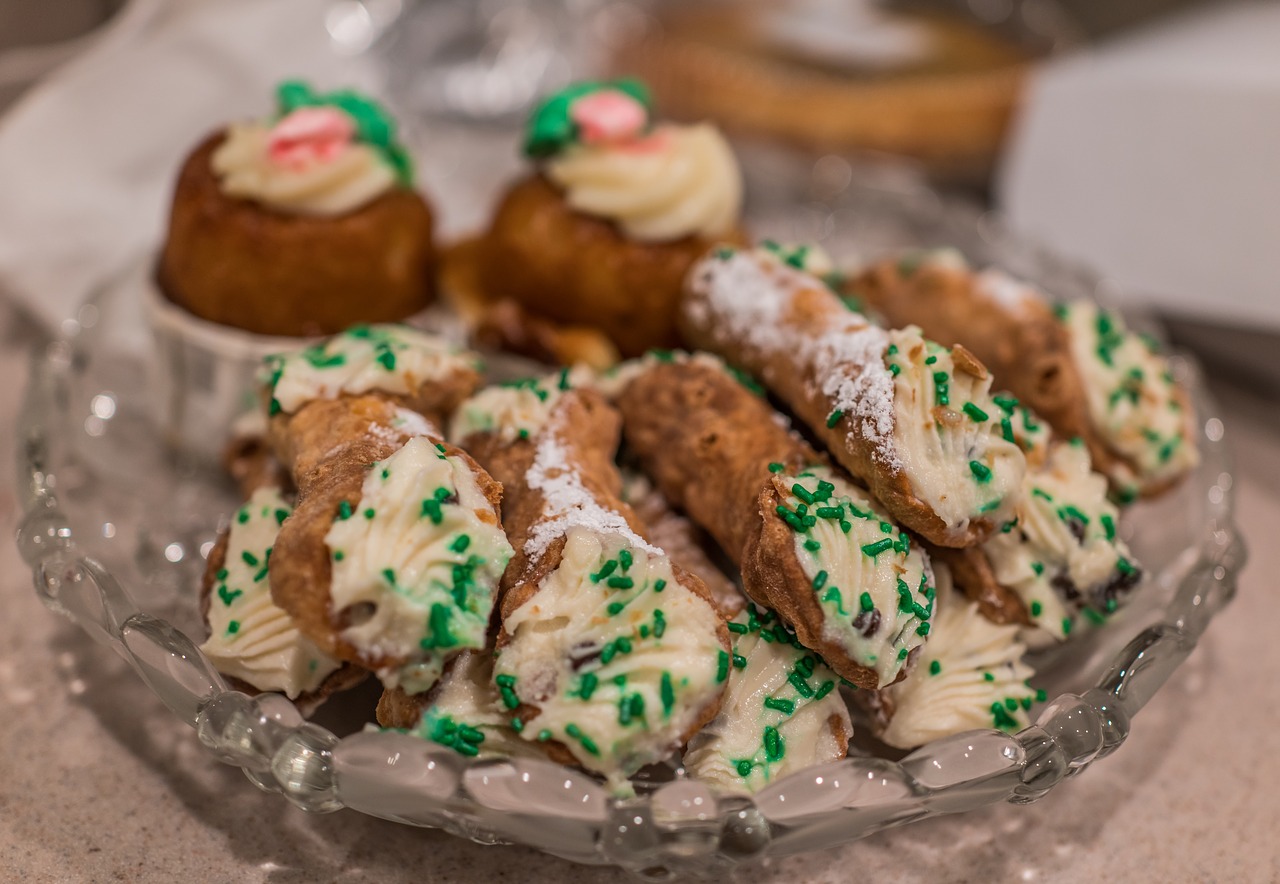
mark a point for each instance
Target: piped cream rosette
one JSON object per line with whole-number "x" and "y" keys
{"x": 903, "y": 414}
{"x": 782, "y": 711}
{"x": 970, "y": 676}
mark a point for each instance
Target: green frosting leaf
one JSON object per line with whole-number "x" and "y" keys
{"x": 551, "y": 130}
{"x": 374, "y": 125}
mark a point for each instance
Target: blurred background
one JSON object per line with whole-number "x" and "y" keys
{"x": 1137, "y": 139}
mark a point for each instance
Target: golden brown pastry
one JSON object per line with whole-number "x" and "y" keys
{"x": 603, "y": 233}
{"x": 300, "y": 225}
{"x": 1075, "y": 365}
{"x": 812, "y": 546}
{"x": 906, "y": 416}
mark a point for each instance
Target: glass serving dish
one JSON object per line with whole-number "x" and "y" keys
{"x": 117, "y": 524}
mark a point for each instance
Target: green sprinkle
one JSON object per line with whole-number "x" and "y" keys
{"x": 776, "y": 467}
{"x": 615, "y": 608}
{"x": 233, "y": 627}
{"x": 774, "y": 748}
{"x": 1036, "y": 492}
{"x": 369, "y": 513}
{"x": 625, "y": 559}
{"x": 802, "y": 493}
{"x": 249, "y": 559}
{"x": 1041, "y": 696}
{"x": 1007, "y": 403}
{"x": 1066, "y": 626}
{"x": 812, "y": 545}
{"x": 587, "y": 686}
{"x": 1038, "y": 567}
{"x": 1096, "y": 617}
{"x": 1068, "y": 513}
{"x": 338, "y": 555}
{"x": 1108, "y": 525}
{"x": 829, "y": 512}
{"x": 786, "y": 707}
{"x": 931, "y": 360}
{"x": 274, "y": 407}
{"x": 460, "y": 543}
{"x": 895, "y": 369}
{"x": 587, "y": 743}
{"x": 517, "y": 725}
{"x": 242, "y": 516}
{"x": 1006, "y": 430}
{"x": 874, "y": 549}
{"x": 659, "y": 627}
{"x": 735, "y": 627}
{"x": 739, "y": 661}
{"x": 987, "y": 676}
{"x": 823, "y": 689}
{"x": 803, "y": 688}
{"x": 902, "y": 654}
{"x": 820, "y": 580}
{"x": 431, "y": 509}
{"x": 659, "y": 585}
{"x": 744, "y": 768}
{"x": 866, "y": 602}
{"x": 1003, "y": 720}
{"x": 980, "y": 471}
{"x": 834, "y": 418}
{"x": 668, "y": 694}
{"x": 1036, "y": 609}
{"x": 229, "y": 595}
{"x": 975, "y": 413}
{"x": 620, "y": 582}
{"x": 722, "y": 666}
{"x": 563, "y": 383}
{"x": 935, "y": 667}
{"x": 544, "y": 735}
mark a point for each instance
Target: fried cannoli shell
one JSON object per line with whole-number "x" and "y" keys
{"x": 576, "y": 269}
{"x": 587, "y": 429}
{"x": 973, "y": 575}
{"x": 811, "y": 313}
{"x": 1026, "y": 348}
{"x": 708, "y": 442}
{"x": 251, "y": 464}
{"x": 343, "y": 678}
{"x": 331, "y": 443}
{"x": 686, "y": 544}
{"x": 399, "y": 709}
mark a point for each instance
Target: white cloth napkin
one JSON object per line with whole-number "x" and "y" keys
{"x": 88, "y": 157}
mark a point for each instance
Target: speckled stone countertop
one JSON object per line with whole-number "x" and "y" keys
{"x": 92, "y": 792}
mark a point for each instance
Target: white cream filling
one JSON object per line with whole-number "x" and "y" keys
{"x": 420, "y": 557}
{"x": 948, "y": 433}
{"x": 777, "y": 713}
{"x": 250, "y": 638}
{"x": 468, "y": 715}
{"x": 356, "y": 175}
{"x": 1131, "y": 394}
{"x": 1061, "y": 494}
{"x": 679, "y": 181}
{"x": 619, "y": 658}
{"x": 971, "y": 675}
{"x": 874, "y": 587}
{"x": 519, "y": 409}
{"x": 385, "y": 358}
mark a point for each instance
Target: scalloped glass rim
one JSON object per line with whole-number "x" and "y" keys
{"x": 679, "y": 827}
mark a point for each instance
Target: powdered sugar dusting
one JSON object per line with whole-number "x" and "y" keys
{"x": 1009, "y": 293}
{"x": 410, "y": 421}
{"x": 744, "y": 297}
{"x": 568, "y": 502}
{"x": 850, "y": 366}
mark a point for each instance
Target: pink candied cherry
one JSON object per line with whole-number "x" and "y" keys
{"x": 310, "y": 135}
{"x": 609, "y": 116}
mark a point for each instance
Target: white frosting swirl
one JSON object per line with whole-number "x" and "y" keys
{"x": 249, "y": 637}
{"x": 680, "y": 181}
{"x": 388, "y": 358}
{"x": 618, "y": 656}
{"x": 422, "y": 553}
{"x": 354, "y": 177}
{"x": 970, "y": 675}
{"x": 782, "y": 712}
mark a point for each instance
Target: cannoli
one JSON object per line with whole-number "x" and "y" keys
{"x": 782, "y": 711}
{"x": 812, "y": 546}
{"x": 608, "y": 652}
{"x": 1060, "y": 555}
{"x": 971, "y": 675}
{"x": 464, "y": 712}
{"x": 393, "y": 555}
{"x": 1075, "y": 365}
{"x": 251, "y": 640}
{"x": 908, "y": 417}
